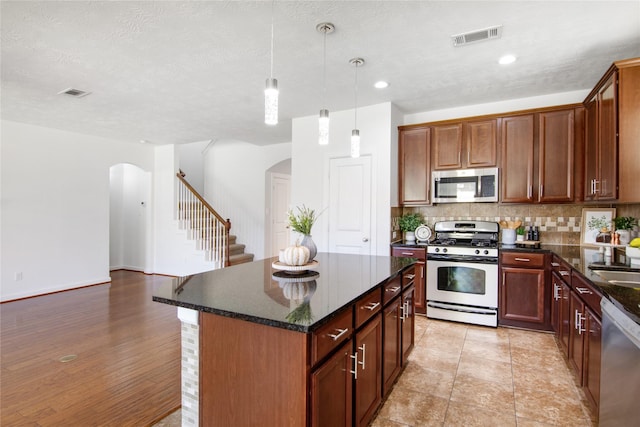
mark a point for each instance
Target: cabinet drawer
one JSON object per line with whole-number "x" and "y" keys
{"x": 367, "y": 306}
{"x": 420, "y": 253}
{"x": 408, "y": 276}
{"x": 391, "y": 289}
{"x": 522, "y": 259}
{"x": 587, "y": 293}
{"x": 561, "y": 267}
{"x": 329, "y": 336}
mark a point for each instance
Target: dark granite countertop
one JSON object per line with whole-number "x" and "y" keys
{"x": 258, "y": 293}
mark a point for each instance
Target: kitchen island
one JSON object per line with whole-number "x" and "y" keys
{"x": 265, "y": 347}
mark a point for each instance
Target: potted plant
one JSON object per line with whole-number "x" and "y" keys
{"x": 624, "y": 225}
{"x": 408, "y": 224}
{"x": 520, "y": 233}
{"x": 302, "y": 222}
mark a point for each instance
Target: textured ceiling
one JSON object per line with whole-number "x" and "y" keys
{"x": 176, "y": 72}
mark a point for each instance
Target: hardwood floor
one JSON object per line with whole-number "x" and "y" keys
{"x": 127, "y": 370}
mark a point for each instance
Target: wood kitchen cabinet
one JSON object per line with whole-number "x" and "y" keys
{"x": 560, "y": 302}
{"x": 331, "y": 390}
{"x": 368, "y": 368}
{"x": 523, "y": 293}
{"x": 538, "y": 156}
{"x": 592, "y": 357}
{"x": 612, "y": 132}
{"x": 414, "y": 166}
{"x": 468, "y": 144}
{"x": 420, "y": 272}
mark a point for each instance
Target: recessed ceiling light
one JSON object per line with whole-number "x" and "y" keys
{"x": 507, "y": 59}
{"x": 381, "y": 85}
{"x": 143, "y": 141}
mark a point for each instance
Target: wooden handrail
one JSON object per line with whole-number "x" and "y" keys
{"x": 227, "y": 222}
{"x": 215, "y": 243}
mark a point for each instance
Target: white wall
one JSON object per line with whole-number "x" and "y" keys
{"x": 310, "y": 166}
{"x": 498, "y": 107}
{"x": 191, "y": 162}
{"x": 55, "y": 207}
{"x": 234, "y": 185}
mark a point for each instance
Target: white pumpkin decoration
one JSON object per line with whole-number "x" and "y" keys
{"x": 296, "y": 255}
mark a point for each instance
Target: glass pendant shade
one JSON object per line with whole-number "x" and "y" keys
{"x": 355, "y": 143}
{"x": 271, "y": 102}
{"x": 323, "y": 127}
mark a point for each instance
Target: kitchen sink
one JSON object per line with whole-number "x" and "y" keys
{"x": 630, "y": 279}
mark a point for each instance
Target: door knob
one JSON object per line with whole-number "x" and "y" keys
{"x": 364, "y": 239}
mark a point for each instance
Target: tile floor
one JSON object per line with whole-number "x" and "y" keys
{"x": 465, "y": 375}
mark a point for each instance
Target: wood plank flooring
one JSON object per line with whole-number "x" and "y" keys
{"x": 127, "y": 370}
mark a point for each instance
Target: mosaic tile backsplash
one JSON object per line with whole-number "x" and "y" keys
{"x": 558, "y": 224}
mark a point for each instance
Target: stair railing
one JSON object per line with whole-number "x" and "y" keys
{"x": 203, "y": 223}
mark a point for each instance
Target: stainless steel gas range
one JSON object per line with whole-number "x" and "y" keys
{"x": 462, "y": 272}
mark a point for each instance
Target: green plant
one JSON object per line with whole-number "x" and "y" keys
{"x": 303, "y": 221}
{"x": 520, "y": 230}
{"x": 625, "y": 222}
{"x": 409, "y": 222}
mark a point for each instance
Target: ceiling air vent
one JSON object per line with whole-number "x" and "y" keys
{"x": 477, "y": 35}
{"x": 76, "y": 93}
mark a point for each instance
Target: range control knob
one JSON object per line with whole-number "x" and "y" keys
{"x": 437, "y": 249}
{"x": 478, "y": 251}
{"x": 444, "y": 250}
{"x": 486, "y": 252}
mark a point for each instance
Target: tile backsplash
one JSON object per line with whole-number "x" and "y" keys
{"x": 558, "y": 223}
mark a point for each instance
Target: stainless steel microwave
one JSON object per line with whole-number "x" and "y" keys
{"x": 465, "y": 185}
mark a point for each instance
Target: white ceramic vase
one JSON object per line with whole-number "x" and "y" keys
{"x": 409, "y": 236}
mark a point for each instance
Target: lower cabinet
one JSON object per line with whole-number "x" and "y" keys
{"x": 347, "y": 388}
{"x": 523, "y": 291}
{"x": 592, "y": 357}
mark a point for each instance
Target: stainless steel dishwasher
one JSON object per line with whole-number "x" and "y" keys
{"x": 620, "y": 376}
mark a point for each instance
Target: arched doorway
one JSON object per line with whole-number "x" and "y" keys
{"x": 130, "y": 218}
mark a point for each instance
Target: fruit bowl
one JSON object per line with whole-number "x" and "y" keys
{"x": 634, "y": 255}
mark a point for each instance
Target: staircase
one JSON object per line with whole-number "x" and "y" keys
{"x": 209, "y": 230}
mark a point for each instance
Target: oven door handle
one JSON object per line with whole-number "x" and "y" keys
{"x": 475, "y": 310}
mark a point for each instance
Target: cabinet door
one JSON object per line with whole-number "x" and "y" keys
{"x": 392, "y": 344}
{"x": 517, "y": 158}
{"x": 408, "y": 322}
{"x": 420, "y": 299}
{"x": 607, "y": 132}
{"x": 556, "y": 155}
{"x": 447, "y": 146}
{"x": 414, "y": 166}
{"x": 591, "y": 149}
{"x": 576, "y": 335}
{"x": 331, "y": 390}
{"x": 565, "y": 318}
{"x": 556, "y": 298}
{"x": 592, "y": 358}
{"x": 481, "y": 144}
{"x": 368, "y": 384}
{"x": 522, "y": 296}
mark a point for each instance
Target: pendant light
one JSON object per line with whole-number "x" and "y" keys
{"x": 323, "y": 119}
{"x": 271, "y": 88}
{"x": 355, "y": 133}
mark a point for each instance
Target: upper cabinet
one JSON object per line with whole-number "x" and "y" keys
{"x": 538, "y": 156}
{"x": 414, "y": 166}
{"x": 612, "y": 133}
{"x": 468, "y": 144}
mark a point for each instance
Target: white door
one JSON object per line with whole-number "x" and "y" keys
{"x": 350, "y": 205}
{"x": 280, "y": 203}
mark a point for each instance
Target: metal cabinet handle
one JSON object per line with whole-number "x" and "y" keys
{"x": 541, "y": 190}
{"x": 565, "y": 273}
{"x": 523, "y": 259}
{"x": 583, "y": 290}
{"x": 555, "y": 264}
{"x": 407, "y": 253}
{"x": 371, "y": 306}
{"x": 363, "y": 348}
{"x": 410, "y": 276}
{"x": 402, "y": 312}
{"x": 556, "y": 292}
{"x": 394, "y": 289}
{"x": 340, "y": 333}
{"x": 355, "y": 365}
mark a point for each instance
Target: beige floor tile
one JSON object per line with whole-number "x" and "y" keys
{"x": 543, "y": 359}
{"x": 462, "y": 415}
{"x": 418, "y": 378}
{"x": 552, "y": 379}
{"x": 484, "y": 394}
{"x": 488, "y": 335}
{"x": 547, "y": 407}
{"x": 524, "y": 422}
{"x": 485, "y": 369}
{"x": 385, "y": 422}
{"x": 434, "y": 360}
{"x": 414, "y": 408}
{"x": 492, "y": 351}
{"x": 539, "y": 341}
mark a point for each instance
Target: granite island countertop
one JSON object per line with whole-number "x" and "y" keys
{"x": 258, "y": 293}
